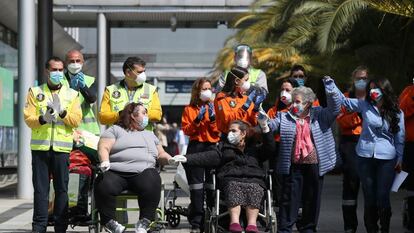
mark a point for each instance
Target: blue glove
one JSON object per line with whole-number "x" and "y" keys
{"x": 259, "y": 100}
{"x": 201, "y": 114}
{"x": 211, "y": 113}
{"x": 329, "y": 84}
{"x": 81, "y": 79}
{"x": 74, "y": 83}
{"x": 249, "y": 100}
{"x": 78, "y": 81}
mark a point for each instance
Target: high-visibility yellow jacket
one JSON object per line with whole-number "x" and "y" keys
{"x": 116, "y": 96}
{"x": 89, "y": 121}
{"x": 59, "y": 135}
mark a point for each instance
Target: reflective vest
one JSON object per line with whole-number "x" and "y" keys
{"x": 119, "y": 96}
{"x": 253, "y": 74}
{"x": 89, "y": 122}
{"x": 56, "y": 135}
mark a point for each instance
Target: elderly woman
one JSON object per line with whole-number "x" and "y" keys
{"x": 128, "y": 154}
{"x": 307, "y": 153}
{"x": 239, "y": 175}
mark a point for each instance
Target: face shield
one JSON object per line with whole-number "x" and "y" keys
{"x": 243, "y": 55}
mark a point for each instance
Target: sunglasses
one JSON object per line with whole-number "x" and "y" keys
{"x": 298, "y": 76}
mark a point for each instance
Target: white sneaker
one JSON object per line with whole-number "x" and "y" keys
{"x": 142, "y": 226}
{"x": 114, "y": 227}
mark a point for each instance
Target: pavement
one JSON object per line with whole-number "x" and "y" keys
{"x": 16, "y": 214}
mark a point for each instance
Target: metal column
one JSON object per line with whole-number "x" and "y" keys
{"x": 44, "y": 35}
{"x": 27, "y": 71}
{"x": 103, "y": 56}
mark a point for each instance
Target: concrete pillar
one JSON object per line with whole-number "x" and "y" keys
{"x": 103, "y": 56}
{"x": 26, "y": 74}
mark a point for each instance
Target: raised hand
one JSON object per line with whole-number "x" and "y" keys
{"x": 211, "y": 113}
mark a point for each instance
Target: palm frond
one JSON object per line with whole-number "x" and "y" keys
{"x": 335, "y": 20}
{"x": 398, "y": 7}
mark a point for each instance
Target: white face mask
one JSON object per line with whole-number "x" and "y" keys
{"x": 234, "y": 138}
{"x": 206, "y": 95}
{"x": 285, "y": 97}
{"x": 243, "y": 62}
{"x": 245, "y": 86}
{"x": 75, "y": 68}
{"x": 141, "y": 78}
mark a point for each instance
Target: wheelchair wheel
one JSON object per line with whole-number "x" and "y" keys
{"x": 173, "y": 218}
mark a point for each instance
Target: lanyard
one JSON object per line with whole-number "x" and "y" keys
{"x": 131, "y": 94}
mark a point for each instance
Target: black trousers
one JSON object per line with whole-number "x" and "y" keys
{"x": 44, "y": 164}
{"x": 350, "y": 184}
{"x": 199, "y": 181}
{"x": 275, "y": 177}
{"x": 302, "y": 185}
{"x": 147, "y": 186}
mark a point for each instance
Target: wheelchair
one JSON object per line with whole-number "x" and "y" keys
{"x": 214, "y": 213}
{"x": 158, "y": 225}
{"x": 174, "y": 211}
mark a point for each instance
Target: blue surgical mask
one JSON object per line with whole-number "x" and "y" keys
{"x": 300, "y": 81}
{"x": 144, "y": 122}
{"x": 55, "y": 77}
{"x": 360, "y": 84}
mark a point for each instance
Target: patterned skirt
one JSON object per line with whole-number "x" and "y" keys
{"x": 243, "y": 194}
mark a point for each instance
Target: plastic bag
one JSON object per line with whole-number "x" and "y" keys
{"x": 181, "y": 179}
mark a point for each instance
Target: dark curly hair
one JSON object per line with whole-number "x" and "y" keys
{"x": 389, "y": 109}
{"x": 235, "y": 73}
{"x": 125, "y": 119}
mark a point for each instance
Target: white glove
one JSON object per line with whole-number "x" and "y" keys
{"x": 56, "y": 104}
{"x": 49, "y": 117}
{"x": 177, "y": 159}
{"x": 263, "y": 120}
{"x": 105, "y": 165}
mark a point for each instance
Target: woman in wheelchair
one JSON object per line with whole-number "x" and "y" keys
{"x": 128, "y": 154}
{"x": 237, "y": 161}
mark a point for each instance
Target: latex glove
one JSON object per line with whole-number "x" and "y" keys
{"x": 201, "y": 114}
{"x": 177, "y": 159}
{"x": 249, "y": 100}
{"x": 329, "y": 84}
{"x": 259, "y": 100}
{"x": 105, "y": 165}
{"x": 263, "y": 120}
{"x": 211, "y": 113}
{"x": 49, "y": 116}
{"x": 81, "y": 79}
{"x": 74, "y": 82}
{"x": 56, "y": 103}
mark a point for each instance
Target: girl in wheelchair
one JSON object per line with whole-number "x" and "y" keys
{"x": 237, "y": 162}
{"x": 128, "y": 154}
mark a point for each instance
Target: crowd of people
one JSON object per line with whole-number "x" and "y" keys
{"x": 228, "y": 131}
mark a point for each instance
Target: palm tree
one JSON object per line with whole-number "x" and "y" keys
{"x": 286, "y": 29}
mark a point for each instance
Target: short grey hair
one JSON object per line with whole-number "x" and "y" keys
{"x": 308, "y": 96}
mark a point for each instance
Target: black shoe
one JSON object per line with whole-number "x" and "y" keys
{"x": 371, "y": 219}
{"x": 349, "y": 213}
